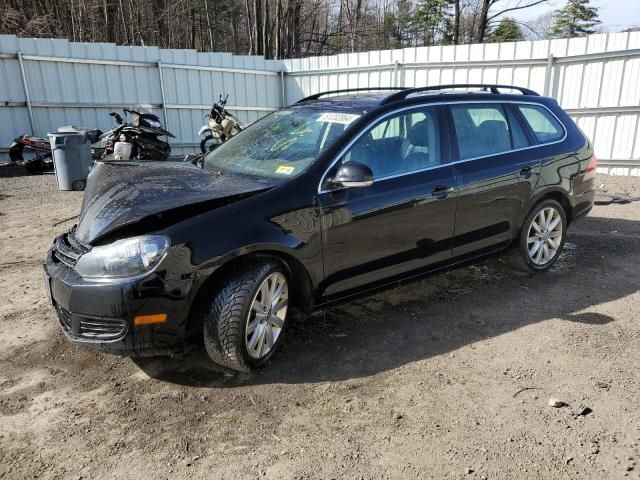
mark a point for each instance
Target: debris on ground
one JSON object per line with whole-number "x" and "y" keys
{"x": 555, "y": 403}
{"x": 581, "y": 411}
{"x": 605, "y": 198}
{"x": 524, "y": 390}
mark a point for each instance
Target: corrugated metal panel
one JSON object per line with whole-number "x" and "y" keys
{"x": 606, "y": 81}
{"x": 72, "y": 74}
{"x": 598, "y": 90}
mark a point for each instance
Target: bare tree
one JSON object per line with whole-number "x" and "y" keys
{"x": 273, "y": 28}
{"x": 492, "y": 9}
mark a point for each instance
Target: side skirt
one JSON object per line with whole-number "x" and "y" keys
{"x": 411, "y": 276}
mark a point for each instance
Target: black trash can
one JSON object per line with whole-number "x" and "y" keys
{"x": 71, "y": 159}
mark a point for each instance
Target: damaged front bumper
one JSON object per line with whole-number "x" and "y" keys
{"x": 101, "y": 314}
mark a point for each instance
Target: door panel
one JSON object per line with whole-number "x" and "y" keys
{"x": 494, "y": 188}
{"x": 492, "y": 196}
{"x": 398, "y": 224}
{"x": 388, "y": 229}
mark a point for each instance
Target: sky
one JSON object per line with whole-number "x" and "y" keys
{"x": 615, "y": 15}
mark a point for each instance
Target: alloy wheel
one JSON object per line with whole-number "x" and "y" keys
{"x": 267, "y": 315}
{"x": 544, "y": 236}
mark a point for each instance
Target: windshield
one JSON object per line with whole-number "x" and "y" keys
{"x": 138, "y": 109}
{"x": 281, "y": 145}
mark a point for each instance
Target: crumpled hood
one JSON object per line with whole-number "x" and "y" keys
{"x": 122, "y": 193}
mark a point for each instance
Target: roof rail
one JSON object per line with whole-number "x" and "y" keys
{"x": 316, "y": 96}
{"x": 484, "y": 86}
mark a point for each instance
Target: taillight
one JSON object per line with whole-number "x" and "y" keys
{"x": 590, "y": 172}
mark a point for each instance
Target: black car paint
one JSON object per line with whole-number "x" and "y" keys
{"x": 121, "y": 194}
{"x": 336, "y": 243}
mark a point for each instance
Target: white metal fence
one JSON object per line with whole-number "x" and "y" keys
{"x": 48, "y": 83}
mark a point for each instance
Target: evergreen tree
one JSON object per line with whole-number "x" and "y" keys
{"x": 389, "y": 31}
{"x": 430, "y": 19}
{"x": 404, "y": 23}
{"x": 577, "y": 18}
{"x": 508, "y": 30}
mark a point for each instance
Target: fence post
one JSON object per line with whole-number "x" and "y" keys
{"x": 27, "y": 97}
{"x": 162, "y": 95}
{"x": 395, "y": 73}
{"x": 548, "y": 74}
{"x": 283, "y": 90}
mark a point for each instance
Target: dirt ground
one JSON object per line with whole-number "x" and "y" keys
{"x": 449, "y": 377}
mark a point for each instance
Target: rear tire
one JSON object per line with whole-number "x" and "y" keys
{"x": 247, "y": 317}
{"x": 543, "y": 235}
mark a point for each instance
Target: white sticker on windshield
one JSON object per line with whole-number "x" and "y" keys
{"x": 343, "y": 118}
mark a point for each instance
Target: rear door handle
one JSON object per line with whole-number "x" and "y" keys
{"x": 441, "y": 191}
{"x": 526, "y": 171}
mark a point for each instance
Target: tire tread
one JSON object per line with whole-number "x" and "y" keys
{"x": 224, "y": 316}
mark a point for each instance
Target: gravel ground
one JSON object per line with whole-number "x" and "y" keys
{"x": 449, "y": 377}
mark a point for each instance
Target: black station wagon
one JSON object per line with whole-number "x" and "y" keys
{"x": 339, "y": 194}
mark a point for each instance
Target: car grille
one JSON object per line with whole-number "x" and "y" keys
{"x": 65, "y": 319}
{"x": 68, "y": 249}
{"x": 91, "y": 328}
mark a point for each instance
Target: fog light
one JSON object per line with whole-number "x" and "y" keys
{"x": 150, "y": 319}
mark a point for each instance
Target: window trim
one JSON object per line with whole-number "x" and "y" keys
{"x": 413, "y": 107}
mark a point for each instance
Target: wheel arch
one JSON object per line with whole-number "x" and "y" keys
{"x": 558, "y": 195}
{"x": 301, "y": 283}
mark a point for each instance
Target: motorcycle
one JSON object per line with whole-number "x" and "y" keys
{"x": 221, "y": 126}
{"x": 141, "y": 133}
{"x": 42, "y": 162}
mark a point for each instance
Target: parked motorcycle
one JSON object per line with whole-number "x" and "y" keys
{"x": 142, "y": 133}
{"x": 42, "y": 162}
{"x": 221, "y": 126}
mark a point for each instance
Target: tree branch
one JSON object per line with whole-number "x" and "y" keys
{"x": 517, "y": 7}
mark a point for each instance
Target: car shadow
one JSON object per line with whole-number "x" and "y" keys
{"x": 440, "y": 314}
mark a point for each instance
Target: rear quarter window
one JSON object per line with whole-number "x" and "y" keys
{"x": 544, "y": 125}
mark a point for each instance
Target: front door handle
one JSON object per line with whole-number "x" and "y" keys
{"x": 441, "y": 191}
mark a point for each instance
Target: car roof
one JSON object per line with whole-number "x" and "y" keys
{"x": 346, "y": 103}
{"x": 357, "y": 100}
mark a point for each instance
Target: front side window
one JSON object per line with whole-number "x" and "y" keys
{"x": 401, "y": 143}
{"x": 544, "y": 125}
{"x": 281, "y": 145}
{"x": 481, "y": 130}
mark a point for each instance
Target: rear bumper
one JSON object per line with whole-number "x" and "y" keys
{"x": 100, "y": 315}
{"x": 583, "y": 200}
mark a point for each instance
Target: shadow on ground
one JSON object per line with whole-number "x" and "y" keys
{"x": 16, "y": 169}
{"x": 441, "y": 313}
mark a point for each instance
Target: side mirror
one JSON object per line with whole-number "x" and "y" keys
{"x": 353, "y": 174}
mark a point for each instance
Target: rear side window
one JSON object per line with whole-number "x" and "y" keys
{"x": 481, "y": 130}
{"x": 544, "y": 125}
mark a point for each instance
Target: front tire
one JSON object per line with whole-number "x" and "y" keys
{"x": 543, "y": 235}
{"x": 208, "y": 144}
{"x": 245, "y": 321}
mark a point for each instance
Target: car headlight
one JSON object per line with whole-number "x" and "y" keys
{"x": 123, "y": 258}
